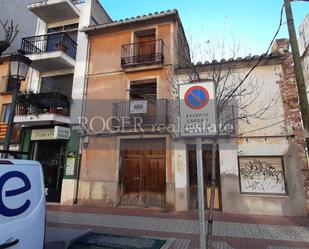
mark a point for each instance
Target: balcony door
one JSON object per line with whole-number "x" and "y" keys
{"x": 55, "y": 38}
{"x": 145, "y": 46}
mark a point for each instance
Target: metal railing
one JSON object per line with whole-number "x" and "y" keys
{"x": 156, "y": 113}
{"x": 72, "y": 1}
{"x": 40, "y": 103}
{"x": 77, "y": 1}
{"x": 49, "y": 43}
{"x": 142, "y": 53}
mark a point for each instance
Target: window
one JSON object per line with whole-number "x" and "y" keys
{"x": 56, "y": 38}
{"x": 5, "y": 113}
{"x": 12, "y": 84}
{"x": 70, "y": 30}
{"x": 262, "y": 175}
{"x": 143, "y": 95}
{"x": 143, "y": 90}
{"x": 8, "y": 84}
{"x": 61, "y": 84}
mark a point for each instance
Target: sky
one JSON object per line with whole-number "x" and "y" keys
{"x": 251, "y": 24}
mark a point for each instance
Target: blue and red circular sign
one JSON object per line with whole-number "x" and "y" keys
{"x": 196, "y": 97}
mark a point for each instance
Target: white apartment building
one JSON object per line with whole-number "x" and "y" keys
{"x": 48, "y": 111}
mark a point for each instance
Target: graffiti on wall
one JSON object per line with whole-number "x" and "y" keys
{"x": 263, "y": 175}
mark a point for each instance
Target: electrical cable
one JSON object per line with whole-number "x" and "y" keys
{"x": 258, "y": 62}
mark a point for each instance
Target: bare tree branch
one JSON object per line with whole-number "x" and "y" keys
{"x": 10, "y": 33}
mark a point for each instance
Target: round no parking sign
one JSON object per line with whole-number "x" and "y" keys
{"x": 196, "y": 97}
{"x": 197, "y": 109}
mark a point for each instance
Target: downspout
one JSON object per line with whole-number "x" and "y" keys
{"x": 81, "y": 140}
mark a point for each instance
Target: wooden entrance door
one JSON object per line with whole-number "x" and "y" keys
{"x": 143, "y": 172}
{"x": 207, "y": 155}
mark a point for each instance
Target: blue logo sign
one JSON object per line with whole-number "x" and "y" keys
{"x": 11, "y": 212}
{"x": 196, "y": 97}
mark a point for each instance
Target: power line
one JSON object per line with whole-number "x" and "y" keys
{"x": 262, "y": 128}
{"x": 259, "y": 61}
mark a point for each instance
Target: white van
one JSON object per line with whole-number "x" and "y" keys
{"x": 22, "y": 205}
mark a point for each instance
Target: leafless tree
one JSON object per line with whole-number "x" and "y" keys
{"x": 10, "y": 32}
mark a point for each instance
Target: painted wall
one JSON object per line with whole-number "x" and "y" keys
{"x": 109, "y": 83}
{"x": 304, "y": 48}
{"x": 99, "y": 180}
{"x": 304, "y": 35}
{"x": 235, "y": 202}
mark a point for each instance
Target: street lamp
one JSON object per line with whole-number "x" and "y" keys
{"x": 19, "y": 65}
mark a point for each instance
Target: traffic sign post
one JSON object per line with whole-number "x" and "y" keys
{"x": 197, "y": 110}
{"x": 198, "y": 118}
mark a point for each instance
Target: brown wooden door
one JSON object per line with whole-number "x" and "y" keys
{"x": 153, "y": 182}
{"x": 207, "y": 154}
{"x": 131, "y": 179}
{"x": 146, "y": 48}
{"x": 143, "y": 170}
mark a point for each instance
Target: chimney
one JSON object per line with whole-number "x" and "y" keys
{"x": 280, "y": 46}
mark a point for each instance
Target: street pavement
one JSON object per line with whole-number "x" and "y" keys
{"x": 181, "y": 229}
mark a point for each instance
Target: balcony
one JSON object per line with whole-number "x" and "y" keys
{"x": 42, "y": 109}
{"x": 50, "y": 52}
{"x": 51, "y": 11}
{"x": 142, "y": 54}
{"x": 145, "y": 113}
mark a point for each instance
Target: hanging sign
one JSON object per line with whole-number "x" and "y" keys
{"x": 138, "y": 107}
{"x": 197, "y": 109}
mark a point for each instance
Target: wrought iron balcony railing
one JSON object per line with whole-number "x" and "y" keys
{"x": 145, "y": 113}
{"x": 42, "y": 103}
{"x": 77, "y": 1}
{"x": 72, "y": 1}
{"x": 142, "y": 53}
{"x": 49, "y": 43}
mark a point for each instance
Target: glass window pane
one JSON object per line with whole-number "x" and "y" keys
{"x": 5, "y": 113}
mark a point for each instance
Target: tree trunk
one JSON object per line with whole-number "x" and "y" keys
{"x": 212, "y": 193}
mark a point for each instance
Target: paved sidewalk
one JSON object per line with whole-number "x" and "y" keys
{"x": 183, "y": 233}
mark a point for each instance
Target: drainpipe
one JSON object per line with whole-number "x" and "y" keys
{"x": 81, "y": 142}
